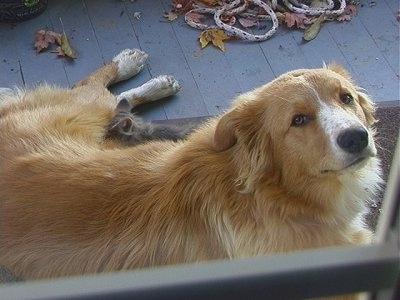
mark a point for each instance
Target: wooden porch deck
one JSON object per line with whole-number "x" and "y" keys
{"x": 368, "y": 46}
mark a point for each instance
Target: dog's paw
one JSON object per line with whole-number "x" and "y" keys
{"x": 129, "y": 62}
{"x": 161, "y": 87}
{"x": 155, "y": 89}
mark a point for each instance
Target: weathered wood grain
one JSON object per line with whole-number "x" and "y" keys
{"x": 368, "y": 46}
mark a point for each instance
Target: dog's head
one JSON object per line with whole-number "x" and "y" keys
{"x": 304, "y": 123}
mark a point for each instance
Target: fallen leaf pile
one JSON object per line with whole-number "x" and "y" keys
{"x": 45, "y": 38}
{"x": 310, "y": 24}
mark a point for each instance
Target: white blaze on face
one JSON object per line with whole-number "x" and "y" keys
{"x": 335, "y": 121}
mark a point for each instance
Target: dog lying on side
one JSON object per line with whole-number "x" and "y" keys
{"x": 290, "y": 166}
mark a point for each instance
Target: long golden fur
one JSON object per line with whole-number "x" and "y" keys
{"x": 253, "y": 181}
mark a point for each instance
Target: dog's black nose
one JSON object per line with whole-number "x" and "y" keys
{"x": 353, "y": 140}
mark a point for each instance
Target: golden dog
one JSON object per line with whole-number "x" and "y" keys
{"x": 288, "y": 167}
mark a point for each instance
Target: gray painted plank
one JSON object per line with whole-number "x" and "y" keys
{"x": 394, "y": 5}
{"x": 321, "y": 50}
{"x": 10, "y": 74}
{"x": 80, "y": 33}
{"x": 383, "y": 28}
{"x": 283, "y": 52}
{"x": 367, "y": 46}
{"x": 114, "y": 32}
{"x": 156, "y": 110}
{"x": 366, "y": 60}
{"x": 111, "y": 26}
{"x": 35, "y": 67}
{"x": 158, "y": 39}
{"x": 248, "y": 64}
{"x": 210, "y": 68}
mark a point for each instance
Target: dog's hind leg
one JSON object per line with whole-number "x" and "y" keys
{"x": 155, "y": 89}
{"x": 123, "y": 66}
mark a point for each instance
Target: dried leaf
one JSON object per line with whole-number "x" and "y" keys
{"x": 59, "y": 51}
{"x": 248, "y": 22}
{"x": 66, "y": 46}
{"x": 230, "y": 20}
{"x": 348, "y": 12}
{"x": 350, "y": 9}
{"x": 40, "y": 41}
{"x": 182, "y": 6}
{"x": 311, "y": 32}
{"x": 170, "y": 16}
{"x": 215, "y": 36}
{"x": 208, "y": 2}
{"x": 44, "y": 38}
{"x": 194, "y": 17}
{"x": 295, "y": 19}
{"x": 319, "y": 4}
{"x": 343, "y": 17}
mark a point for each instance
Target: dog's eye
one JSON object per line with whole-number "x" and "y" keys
{"x": 299, "y": 120}
{"x": 346, "y": 98}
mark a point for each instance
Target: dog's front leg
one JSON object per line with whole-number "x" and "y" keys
{"x": 155, "y": 89}
{"x": 123, "y": 66}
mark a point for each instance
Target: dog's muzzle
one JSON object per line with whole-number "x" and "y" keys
{"x": 357, "y": 146}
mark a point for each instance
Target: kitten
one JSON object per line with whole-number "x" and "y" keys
{"x": 132, "y": 130}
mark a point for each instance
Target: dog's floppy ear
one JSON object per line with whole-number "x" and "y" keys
{"x": 224, "y": 136}
{"x": 367, "y": 107}
{"x": 339, "y": 69}
{"x": 365, "y": 103}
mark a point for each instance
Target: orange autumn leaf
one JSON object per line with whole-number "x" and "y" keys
{"x": 43, "y": 39}
{"x": 215, "y": 36}
{"x": 295, "y": 20}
